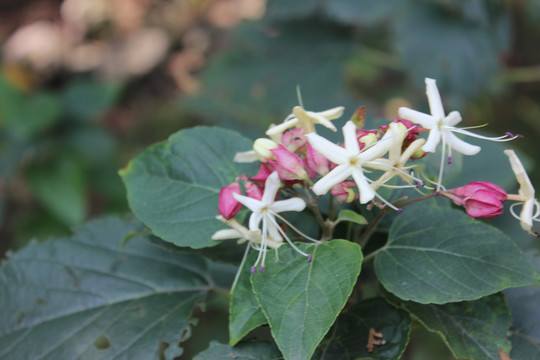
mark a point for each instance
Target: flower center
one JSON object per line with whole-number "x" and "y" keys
{"x": 353, "y": 161}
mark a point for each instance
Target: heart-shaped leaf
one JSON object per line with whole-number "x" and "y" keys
{"x": 83, "y": 297}
{"x": 301, "y": 299}
{"x": 371, "y": 319}
{"x": 173, "y": 187}
{"x": 245, "y": 312}
{"x": 525, "y": 319}
{"x": 438, "y": 255}
{"x": 474, "y": 330}
{"x": 262, "y": 350}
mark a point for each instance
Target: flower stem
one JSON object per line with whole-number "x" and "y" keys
{"x": 414, "y": 201}
{"x": 371, "y": 227}
{"x": 364, "y": 238}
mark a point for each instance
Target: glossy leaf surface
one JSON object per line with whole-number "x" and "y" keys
{"x": 83, "y": 297}
{"x": 438, "y": 255}
{"x": 301, "y": 299}
{"x": 173, "y": 187}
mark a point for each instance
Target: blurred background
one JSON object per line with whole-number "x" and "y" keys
{"x": 86, "y": 85}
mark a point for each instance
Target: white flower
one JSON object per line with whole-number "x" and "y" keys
{"x": 530, "y": 210}
{"x": 350, "y": 160}
{"x": 306, "y": 120}
{"x": 266, "y": 210}
{"x": 442, "y": 127}
{"x": 243, "y": 234}
{"x": 395, "y": 164}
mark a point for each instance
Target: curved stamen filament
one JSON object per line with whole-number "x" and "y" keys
{"x": 287, "y": 238}
{"x": 295, "y": 229}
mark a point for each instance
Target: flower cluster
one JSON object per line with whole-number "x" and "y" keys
{"x": 298, "y": 166}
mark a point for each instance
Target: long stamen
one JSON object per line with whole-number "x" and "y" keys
{"x": 503, "y": 138}
{"x": 264, "y": 242}
{"x": 513, "y": 212}
{"x": 537, "y": 212}
{"x": 237, "y": 276}
{"x": 428, "y": 180}
{"x": 295, "y": 229}
{"x": 287, "y": 238}
{"x": 387, "y": 203}
{"x": 261, "y": 249}
{"x": 442, "y": 161}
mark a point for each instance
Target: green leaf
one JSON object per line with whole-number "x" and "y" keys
{"x": 173, "y": 186}
{"x": 351, "y": 216}
{"x": 438, "y": 255}
{"x": 349, "y": 336}
{"x": 472, "y": 329}
{"x": 25, "y": 116}
{"x": 360, "y": 12}
{"x": 525, "y": 319}
{"x": 253, "y": 82}
{"x": 301, "y": 299}
{"x": 245, "y": 313}
{"x": 470, "y": 54}
{"x": 81, "y": 297}
{"x": 60, "y": 187}
{"x": 284, "y": 10}
{"x": 85, "y": 100}
{"x": 262, "y": 350}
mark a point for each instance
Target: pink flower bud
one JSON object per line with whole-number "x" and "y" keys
{"x": 294, "y": 140}
{"x": 228, "y": 207}
{"x": 253, "y": 190}
{"x": 264, "y": 172}
{"x": 344, "y": 191}
{"x": 288, "y": 165}
{"x": 480, "y": 198}
{"x": 316, "y": 163}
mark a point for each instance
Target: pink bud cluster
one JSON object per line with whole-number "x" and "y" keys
{"x": 480, "y": 198}
{"x": 228, "y": 206}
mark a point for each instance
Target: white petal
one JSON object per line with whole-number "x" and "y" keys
{"x": 526, "y": 188}
{"x": 271, "y": 187}
{"x": 351, "y": 142}
{"x": 413, "y": 147}
{"x": 461, "y": 146}
{"x": 397, "y": 142}
{"x": 271, "y": 228}
{"x": 377, "y": 149}
{"x": 255, "y": 220}
{"x": 251, "y": 203}
{"x": 246, "y": 157}
{"x": 328, "y": 149}
{"x": 453, "y": 118}
{"x": 279, "y": 129}
{"x": 319, "y": 119}
{"x": 434, "y": 99}
{"x": 427, "y": 121}
{"x": 334, "y": 177}
{"x": 293, "y": 204}
{"x": 366, "y": 192}
{"x": 226, "y": 234}
{"x": 380, "y": 164}
{"x": 434, "y": 138}
{"x": 526, "y": 215}
{"x": 333, "y": 113}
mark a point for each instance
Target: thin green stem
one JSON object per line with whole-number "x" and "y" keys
{"x": 372, "y": 255}
{"x": 413, "y": 201}
{"x": 313, "y": 205}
